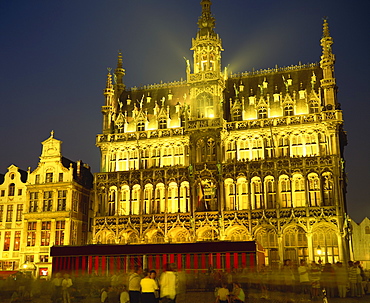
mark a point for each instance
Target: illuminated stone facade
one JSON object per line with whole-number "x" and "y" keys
{"x": 12, "y": 201}
{"x": 249, "y": 156}
{"x": 361, "y": 242}
{"x": 48, "y": 206}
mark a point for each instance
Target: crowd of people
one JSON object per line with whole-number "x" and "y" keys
{"x": 229, "y": 286}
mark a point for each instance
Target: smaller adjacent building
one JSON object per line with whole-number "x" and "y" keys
{"x": 12, "y": 201}
{"x": 44, "y": 207}
{"x": 361, "y": 242}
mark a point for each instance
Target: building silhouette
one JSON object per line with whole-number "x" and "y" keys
{"x": 249, "y": 156}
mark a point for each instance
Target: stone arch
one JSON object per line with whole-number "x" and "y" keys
{"x": 237, "y": 233}
{"x": 207, "y": 234}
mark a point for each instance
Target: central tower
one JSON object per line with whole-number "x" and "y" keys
{"x": 206, "y": 81}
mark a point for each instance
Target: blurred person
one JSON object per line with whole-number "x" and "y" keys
{"x": 237, "y": 295}
{"x": 124, "y": 297}
{"x": 66, "y": 284}
{"x": 288, "y": 276}
{"x": 168, "y": 284}
{"x": 329, "y": 280}
{"x": 341, "y": 275}
{"x": 359, "y": 273}
{"x": 304, "y": 279}
{"x": 56, "y": 288}
{"x": 134, "y": 284}
{"x": 103, "y": 295}
{"x": 148, "y": 288}
{"x": 223, "y": 294}
{"x": 315, "y": 275}
{"x": 353, "y": 272}
{"x": 112, "y": 295}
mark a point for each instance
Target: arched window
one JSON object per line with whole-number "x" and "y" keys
{"x": 323, "y": 144}
{"x": 285, "y": 191}
{"x": 201, "y": 151}
{"x": 112, "y": 201}
{"x": 140, "y": 125}
{"x": 242, "y": 194}
{"x": 237, "y": 114}
{"x": 295, "y": 244}
{"x": 160, "y": 199}
{"x": 327, "y": 239}
{"x": 257, "y": 148}
{"x": 211, "y": 150}
{"x": 297, "y": 146}
{"x": 162, "y": 123}
{"x": 124, "y": 208}
{"x": 299, "y": 193}
{"x": 284, "y": 146}
{"x": 269, "y": 241}
{"x": 173, "y": 200}
{"x": 148, "y": 194}
{"x": 367, "y": 230}
{"x": 230, "y": 194}
{"x": 262, "y": 112}
{"x": 314, "y": 189}
{"x": 243, "y": 153}
{"x": 288, "y": 110}
{"x": 269, "y": 147}
{"x": 313, "y": 106}
{"x": 270, "y": 192}
{"x": 230, "y": 150}
{"x": 311, "y": 145}
{"x": 167, "y": 155}
{"x": 156, "y": 156}
{"x": 11, "y": 190}
{"x": 328, "y": 188}
{"x": 257, "y": 193}
{"x": 185, "y": 197}
{"x": 135, "y": 199}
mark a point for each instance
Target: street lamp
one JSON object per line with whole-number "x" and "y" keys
{"x": 319, "y": 252}
{"x": 28, "y": 267}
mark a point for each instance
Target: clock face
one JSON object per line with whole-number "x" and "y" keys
{"x": 51, "y": 150}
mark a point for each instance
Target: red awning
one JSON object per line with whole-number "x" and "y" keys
{"x": 4, "y": 274}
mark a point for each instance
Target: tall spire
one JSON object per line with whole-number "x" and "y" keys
{"x": 206, "y": 21}
{"x": 108, "y": 108}
{"x": 119, "y": 72}
{"x": 328, "y": 83}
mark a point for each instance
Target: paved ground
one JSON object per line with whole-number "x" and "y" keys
{"x": 208, "y": 297}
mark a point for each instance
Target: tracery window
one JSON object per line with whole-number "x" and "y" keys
{"x": 288, "y": 110}
{"x": 311, "y": 144}
{"x": 141, "y": 125}
{"x": 323, "y": 144}
{"x": 297, "y": 146}
{"x": 314, "y": 189}
{"x": 269, "y": 241}
{"x": 135, "y": 198}
{"x": 148, "y": 192}
{"x": 257, "y": 148}
{"x": 201, "y": 151}
{"x": 112, "y": 202}
{"x": 284, "y": 146}
{"x": 262, "y": 112}
{"x": 173, "y": 201}
{"x": 145, "y": 156}
{"x": 299, "y": 192}
{"x": 327, "y": 239}
{"x": 328, "y": 188}
{"x": 295, "y": 244}
{"x": 257, "y": 193}
{"x": 244, "y": 152}
{"x": 124, "y": 208}
{"x": 269, "y": 147}
{"x": 313, "y": 106}
{"x": 237, "y": 114}
{"x": 178, "y": 155}
{"x": 185, "y": 197}
{"x": 211, "y": 150}
{"x": 162, "y": 123}
{"x": 270, "y": 192}
{"x": 167, "y": 155}
{"x": 160, "y": 199}
{"x": 285, "y": 191}
{"x": 230, "y": 194}
{"x": 156, "y": 156}
{"x": 231, "y": 150}
{"x": 242, "y": 194}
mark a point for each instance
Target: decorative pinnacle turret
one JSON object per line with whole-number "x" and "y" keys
{"x": 326, "y": 40}
{"x": 109, "y": 84}
{"x": 206, "y": 22}
{"x": 119, "y": 60}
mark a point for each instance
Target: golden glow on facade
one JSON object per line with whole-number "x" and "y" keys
{"x": 249, "y": 156}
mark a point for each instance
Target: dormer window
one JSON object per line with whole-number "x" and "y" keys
{"x": 288, "y": 110}
{"x": 162, "y": 123}
{"x": 313, "y": 107}
{"x": 262, "y": 113}
{"x": 49, "y": 178}
{"x": 11, "y": 189}
{"x": 140, "y": 126}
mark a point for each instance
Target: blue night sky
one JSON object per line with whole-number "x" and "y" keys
{"x": 55, "y": 54}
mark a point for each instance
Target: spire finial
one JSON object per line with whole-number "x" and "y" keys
{"x": 52, "y": 134}
{"x": 206, "y": 22}
{"x": 325, "y": 31}
{"x": 109, "y": 78}
{"x": 119, "y": 60}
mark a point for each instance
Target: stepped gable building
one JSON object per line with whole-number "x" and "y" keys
{"x": 58, "y": 201}
{"x": 249, "y": 156}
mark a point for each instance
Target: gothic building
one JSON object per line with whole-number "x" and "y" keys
{"x": 249, "y": 156}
